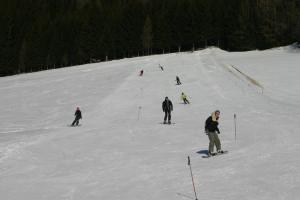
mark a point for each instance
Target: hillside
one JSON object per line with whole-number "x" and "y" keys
{"x": 122, "y": 151}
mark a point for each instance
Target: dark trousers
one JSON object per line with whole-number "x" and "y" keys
{"x": 167, "y": 115}
{"x": 76, "y": 121}
{"x": 186, "y": 101}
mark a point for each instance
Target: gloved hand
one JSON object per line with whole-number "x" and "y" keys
{"x": 206, "y": 131}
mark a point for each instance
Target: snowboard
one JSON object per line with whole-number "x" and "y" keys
{"x": 215, "y": 155}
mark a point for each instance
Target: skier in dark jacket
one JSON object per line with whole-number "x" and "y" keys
{"x": 167, "y": 107}
{"x": 212, "y": 130}
{"x": 161, "y": 67}
{"x": 78, "y": 116}
{"x": 178, "y": 80}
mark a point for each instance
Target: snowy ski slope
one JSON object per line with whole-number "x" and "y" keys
{"x": 122, "y": 151}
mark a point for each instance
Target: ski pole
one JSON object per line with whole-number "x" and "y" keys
{"x": 234, "y": 116}
{"x": 142, "y": 92}
{"x": 189, "y": 164}
{"x": 139, "y": 111}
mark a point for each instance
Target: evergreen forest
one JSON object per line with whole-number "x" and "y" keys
{"x": 46, "y": 34}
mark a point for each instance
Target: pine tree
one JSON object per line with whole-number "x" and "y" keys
{"x": 147, "y": 36}
{"x": 46, "y": 34}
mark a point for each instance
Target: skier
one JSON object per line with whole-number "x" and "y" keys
{"x": 167, "y": 107}
{"x": 184, "y": 98}
{"x": 78, "y": 116}
{"x": 178, "y": 80}
{"x": 212, "y": 130}
{"x": 141, "y": 72}
{"x": 161, "y": 67}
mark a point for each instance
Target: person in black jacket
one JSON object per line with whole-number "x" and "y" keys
{"x": 212, "y": 130}
{"x": 178, "y": 80}
{"x": 167, "y": 107}
{"x": 161, "y": 67}
{"x": 78, "y": 116}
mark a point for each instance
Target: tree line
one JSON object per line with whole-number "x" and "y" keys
{"x": 41, "y": 34}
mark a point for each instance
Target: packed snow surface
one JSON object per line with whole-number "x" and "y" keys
{"x": 122, "y": 151}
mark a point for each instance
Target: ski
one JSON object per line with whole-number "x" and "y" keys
{"x": 70, "y": 125}
{"x": 167, "y": 123}
{"x": 215, "y": 155}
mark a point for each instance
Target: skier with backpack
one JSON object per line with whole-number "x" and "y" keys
{"x": 212, "y": 131}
